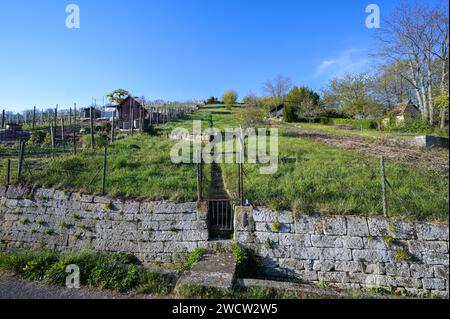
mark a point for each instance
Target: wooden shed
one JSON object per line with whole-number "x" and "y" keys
{"x": 131, "y": 110}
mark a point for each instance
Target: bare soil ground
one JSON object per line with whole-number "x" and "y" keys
{"x": 435, "y": 159}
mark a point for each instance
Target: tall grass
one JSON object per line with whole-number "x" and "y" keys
{"x": 333, "y": 180}
{"x": 118, "y": 271}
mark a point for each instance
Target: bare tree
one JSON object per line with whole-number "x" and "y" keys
{"x": 389, "y": 86}
{"x": 416, "y": 34}
{"x": 278, "y": 87}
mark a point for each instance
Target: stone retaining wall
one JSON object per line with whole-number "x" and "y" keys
{"x": 348, "y": 252}
{"x": 152, "y": 231}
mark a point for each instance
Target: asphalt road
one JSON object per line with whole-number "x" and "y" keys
{"x": 15, "y": 288}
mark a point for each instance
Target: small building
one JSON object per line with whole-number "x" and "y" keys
{"x": 13, "y": 133}
{"x": 402, "y": 112}
{"x": 131, "y": 110}
{"x": 86, "y": 113}
{"x": 277, "y": 112}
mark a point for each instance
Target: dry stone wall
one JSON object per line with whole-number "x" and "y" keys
{"x": 348, "y": 252}
{"x": 152, "y": 231}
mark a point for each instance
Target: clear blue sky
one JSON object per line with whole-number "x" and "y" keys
{"x": 175, "y": 49}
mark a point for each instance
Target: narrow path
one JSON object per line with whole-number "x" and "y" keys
{"x": 12, "y": 287}
{"x": 217, "y": 189}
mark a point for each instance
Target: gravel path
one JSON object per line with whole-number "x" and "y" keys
{"x": 16, "y": 288}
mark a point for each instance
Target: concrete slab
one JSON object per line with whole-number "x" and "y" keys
{"x": 212, "y": 271}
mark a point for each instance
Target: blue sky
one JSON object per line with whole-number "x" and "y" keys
{"x": 175, "y": 49}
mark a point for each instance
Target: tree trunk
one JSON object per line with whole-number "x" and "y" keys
{"x": 442, "y": 118}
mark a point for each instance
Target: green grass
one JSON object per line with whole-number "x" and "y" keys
{"x": 119, "y": 272}
{"x": 367, "y": 134}
{"x": 138, "y": 166}
{"x": 323, "y": 177}
{"x": 338, "y": 181}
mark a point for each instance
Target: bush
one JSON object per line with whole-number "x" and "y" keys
{"x": 193, "y": 257}
{"x": 152, "y": 282}
{"x": 248, "y": 264}
{"x": 357, "y": 124}
{"x": 37, "y": 138}
{"x": 326, "y": 121}
{"x": 100, "y": 140}
{"x": 36, "y": 268}
{"x": 32, "y": 265}
{"x": 410, "y": 126}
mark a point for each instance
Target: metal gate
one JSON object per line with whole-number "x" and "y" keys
{"x": 221, "y": 219}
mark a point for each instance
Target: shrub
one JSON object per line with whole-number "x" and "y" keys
{"x": 100, "y": 140}
{"x": 36, "y": 267}
{"x": 37, "y": 138}
{"x": 152, "y": 282}
{"x": 276, "y": 226}
{"x": 248, "y": 264}
{"x": 357, "y": 124}
{"x": 193, "y": 257}
{"x": 326, "y": 121}
{"x": 402, "y": 255}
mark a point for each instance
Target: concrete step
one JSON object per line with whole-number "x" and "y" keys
{"x": 212, "y": 271}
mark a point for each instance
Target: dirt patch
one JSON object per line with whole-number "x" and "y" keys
{"x": 429, "y": 158}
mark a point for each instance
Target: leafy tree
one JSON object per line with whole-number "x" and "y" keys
{"x": 230, "y": 97}
{"x": 299, "y": 103}
{"x": 212, "y": 100}
{"x": 353, "y": 94}
{"x": 250, "y": 116}
{"x": 442, "y": 102}
{"x": 118, "y": 96}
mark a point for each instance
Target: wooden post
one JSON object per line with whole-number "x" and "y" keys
{"x": 52, "y": 133}
{"x": 132, "y": 122}
{"x": 56, "y": 116}
{"x": 34, "y": 117}
{"x": 8, "y": 172}
{"x": 91, "y": 115}
{"x": 240, "y": 166}
{"x": 113, "y": 126}
{"x": 105, "y": 159}
{"x": 3, "y": 119}
{"x": 62, "y": 133}
{"x": 20, "y": 165}
{"x": 75, "y": 112}
{"x": 383, "y": 186}
{"x": 74, "y": 143}
{"x": 199, "y": 176}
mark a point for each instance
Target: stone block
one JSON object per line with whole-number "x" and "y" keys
{"x": 353, "y": 242}
{"x": 348, "y": 266}
{"x": 335, "y": 225}
{"x": 441, "y": 272}
{"x": 370, "y": 255}
{"x": 357, "y": 226}
{"x": 378, "y": 227}
{"x": 326, "y": 241}
{"x": 432, "y": 232}
{"x": 434, "y": 284}
{"x": 421, "y": 271}
{"x": 323, "y": 265}
{"x": 398, "y": 269}
{"x": 336, "y": 254}
{"x": 305, "y": 224}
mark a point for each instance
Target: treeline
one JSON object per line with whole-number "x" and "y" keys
{"x": 411, "y": 64}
